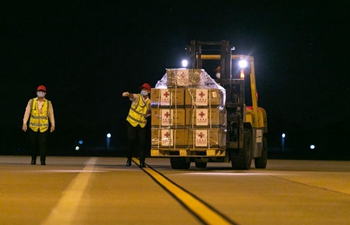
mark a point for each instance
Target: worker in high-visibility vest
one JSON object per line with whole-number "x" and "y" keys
{"x": 40, "y": 111}
{"x": 136, "y": 122}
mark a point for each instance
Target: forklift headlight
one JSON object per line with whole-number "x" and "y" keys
{"x": 242, "y": 64}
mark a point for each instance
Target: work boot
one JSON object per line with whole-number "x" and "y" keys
{"x": 142, "y": 161}
{"x": 142, "y": 164}
{"x": 42, "y": 160}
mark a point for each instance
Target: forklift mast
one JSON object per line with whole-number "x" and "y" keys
{"x": 234, "y": 86}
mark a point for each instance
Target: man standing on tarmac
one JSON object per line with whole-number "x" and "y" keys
{"x": 40, "y": 111}
{"x": 136, "y": 122}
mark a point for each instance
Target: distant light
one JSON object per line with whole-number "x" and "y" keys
{"x": 184, "y": 63}
{"x": 80, "y": 142}
{"x": 109, "y": 135}
{"x": 283, "y": 135}
{"x": 243, "y": 63}
{"x": 312, "y": 146}
{"x": 77, "y": 148}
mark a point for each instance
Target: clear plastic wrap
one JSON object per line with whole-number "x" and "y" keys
{"x": 190, "y": 78}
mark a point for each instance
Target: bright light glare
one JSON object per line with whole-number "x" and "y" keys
{"x": 77, "y": 148}
{"x": 80, "y": 142}
{"x": 283, "y": 135}
{"x": 312, "y": 146}
{"x": 109, "y": 135}
{"x": 243, "y": 63}
{"x": 184, "y": 63}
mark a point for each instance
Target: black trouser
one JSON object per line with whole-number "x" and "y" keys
{"x": 38, "y": 141}
{"x": 136, "y": 138}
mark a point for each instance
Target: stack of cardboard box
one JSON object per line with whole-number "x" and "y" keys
{"x": 186, "y": 114}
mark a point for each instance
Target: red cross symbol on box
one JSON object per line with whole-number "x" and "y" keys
{"x": 166, "y": 94}
{"x": 167, "y": 135}
{"x": 167, "y": 114}
{"x": 201, "y": 94}
{"x": 201, "y": 114}
{"x": 201, "y": 135}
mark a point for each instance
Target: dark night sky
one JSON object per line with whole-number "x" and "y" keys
{"x": 87, "y": 54}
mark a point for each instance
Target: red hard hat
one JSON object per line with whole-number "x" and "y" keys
{"x": 146, "y": 86}
{"x": 41, "y": 88}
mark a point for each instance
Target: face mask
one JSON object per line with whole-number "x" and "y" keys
{"x": 217, "y": 75}
{"x": 144, "y": 93}
{"x": 40, "y": 94}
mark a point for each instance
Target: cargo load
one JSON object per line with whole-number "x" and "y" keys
{"x": 187, "y": 114}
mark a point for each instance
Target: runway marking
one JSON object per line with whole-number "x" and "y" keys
{"x": 197, "y": 207}
{"x": 231, "y": 174}
{"x": 65, "y": 209}
{"x": 67, "y": 171}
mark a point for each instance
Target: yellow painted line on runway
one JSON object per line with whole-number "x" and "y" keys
{"x": 65, "y": 209}
{"x": 204, "y": 212}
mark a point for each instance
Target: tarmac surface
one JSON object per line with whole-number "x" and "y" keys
{"x": 102, "y": 190}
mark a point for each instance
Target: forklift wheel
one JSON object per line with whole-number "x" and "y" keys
{"x": 180, "y": 163}
{"x": 262, "y": 161}
{"x": 201, "y": 164}
{"x": 242, "y": 159}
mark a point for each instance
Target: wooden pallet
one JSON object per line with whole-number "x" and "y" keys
{"x": 188, "y": 152}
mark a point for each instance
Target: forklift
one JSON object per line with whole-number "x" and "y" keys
{"x": 246, "y": 125}
{"x": 238, "y": 137}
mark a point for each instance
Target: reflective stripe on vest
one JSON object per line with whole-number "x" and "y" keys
{"x": 39, "y": 121}
{"x": 137, "y": 113}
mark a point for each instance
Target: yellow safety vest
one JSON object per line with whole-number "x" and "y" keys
{"x": 39, "y": 121}
{"x": 138, "y": 112}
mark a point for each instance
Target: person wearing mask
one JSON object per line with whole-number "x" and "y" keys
{"x": 136, "y": 122}
{"x": 39, "y": 111}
